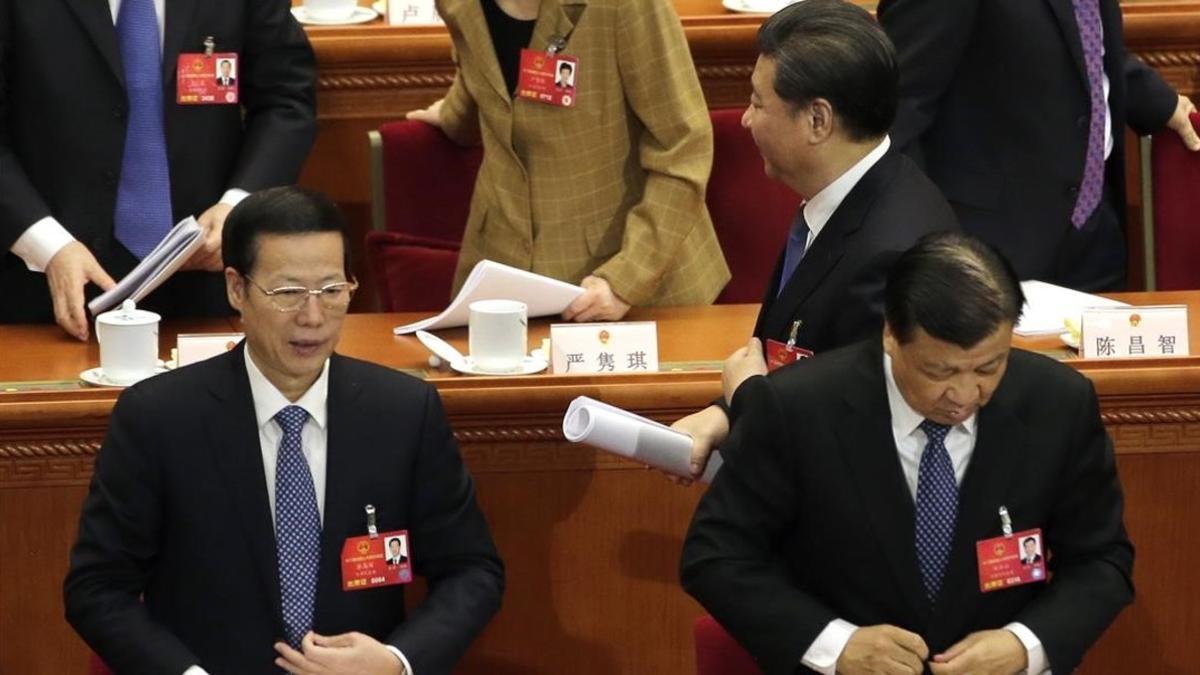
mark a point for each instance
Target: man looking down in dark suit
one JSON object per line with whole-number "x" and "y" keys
{"x": 824, "y": 95}
{"x": 211, "y": 539}
{"x": 841, "y": 532}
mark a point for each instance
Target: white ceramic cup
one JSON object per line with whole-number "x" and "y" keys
{"x": 128, "y": 343}
{"x": 497, "y": 335}
{"x": 330, "y": 10}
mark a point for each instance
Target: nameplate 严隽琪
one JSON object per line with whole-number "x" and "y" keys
{"x": 622, "y": 347}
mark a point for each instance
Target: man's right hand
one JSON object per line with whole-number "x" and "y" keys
{"x": 68, "y": 272}
{"x": 883, "y": 649}
{"x": 708, "y": 429}
{"x": 431, "y": 115}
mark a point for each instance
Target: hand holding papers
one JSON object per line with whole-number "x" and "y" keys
{"x": 166, "y": 258}
{"x": 642, "y": 440}
{"x": 492, "y": 281}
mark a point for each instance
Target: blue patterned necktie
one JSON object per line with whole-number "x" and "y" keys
{"x": 1091, "y": 35}
{"x": 937, "y": 508}
{"x": 143, "y": 213}
{"x": 297, "y": 528}
{"x": 797, "y": 244}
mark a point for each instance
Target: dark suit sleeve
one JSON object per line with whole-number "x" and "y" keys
{"x": 1150, "y": 101}
{"x": 452, "y": 549}
{"x": 731, "y": 564}
{"x": 120, "y": 534}
{"x": 930, "y": 37}
{"x": 278, "y": 90}
{"x": 20, "y": 204}
{"x": 1092, "y": 558}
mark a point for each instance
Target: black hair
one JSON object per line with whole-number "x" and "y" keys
{"x": 954, "y": 287}
{"x": 1029, "y": 539}
{"x": 833, "y": 49}
{"x": 280, "y": 210}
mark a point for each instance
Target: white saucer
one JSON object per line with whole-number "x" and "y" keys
{"x": 529, "y": 366}
{"x": 756, "y": 6}
{"x": 95, "y": 376}
{"x": 1068, "y": 339}
{"x": 360, "y": 15}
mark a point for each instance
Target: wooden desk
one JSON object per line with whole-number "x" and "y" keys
{"x": 591, "y": 542}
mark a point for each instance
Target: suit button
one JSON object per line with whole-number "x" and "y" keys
{"x": 110, "y": 178}
{"x": 1082, "y": 122}
{"x": 1073, "y": 190}
{"x": 118, "y": 111}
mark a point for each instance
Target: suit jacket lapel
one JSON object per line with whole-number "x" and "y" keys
{"x": 97, "y": 20}
{"x": 1065, "y": 14}
{"x": 870, "y": 450}
{"x": 236, "y": 450}
{"x": 468, "y": 14}
{"x": 765, "y": 327}
{"x": 178, "y": 20}
{"x": 557, "y": 18}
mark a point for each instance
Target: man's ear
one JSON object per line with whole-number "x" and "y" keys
{"x": 235, "y": 288}
{"x": 821, "y": 119}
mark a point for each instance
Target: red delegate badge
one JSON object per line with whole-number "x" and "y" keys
{"x": 204, "y": 79}
{"x": 780, "y": 354}
{"x": 369, "y": 562}
{"x": 548, "y": 78}
{"x": 1011, "y": 561}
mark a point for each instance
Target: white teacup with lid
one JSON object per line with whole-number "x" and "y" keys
{"x": 128, "y": 343}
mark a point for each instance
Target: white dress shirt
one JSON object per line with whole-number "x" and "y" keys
{"x": 820, "y": 207}
{"x": 42, "y": 240}
{"x": 268, "y": 401}
{"x": 824, "y": 652}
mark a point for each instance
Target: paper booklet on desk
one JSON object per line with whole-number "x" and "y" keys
{"x": 623, "y": 433}
{"x": 1046, "y": 305}
{"x": 166, "y": 258}
{"x": 492, "y": 281}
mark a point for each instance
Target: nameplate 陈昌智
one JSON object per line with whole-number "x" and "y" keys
{"x": 1134, "y": 332}
{"x": 623, "y": 347}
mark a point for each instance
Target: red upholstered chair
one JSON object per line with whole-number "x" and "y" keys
{"x": 1175, "y": 212}
{"x": 717, "y": 653}
{"x": 751, "y": 212}
{"x": 412, "y": 274}
{"x": 97, "y": 667}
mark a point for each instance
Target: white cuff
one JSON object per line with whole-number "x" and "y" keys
{"x": 233, "y": 196}
{"x": 195, "y": 670}
{"x": 1038, "y": 664}
{"x": 400, "y": 655}
{"x": 40, "y": 242}
{"x": 823, "y": 654}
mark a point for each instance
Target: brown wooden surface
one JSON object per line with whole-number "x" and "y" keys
{"x": 591, "y": 542}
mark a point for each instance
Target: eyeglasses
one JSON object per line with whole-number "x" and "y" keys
{"x": 334, "y": 297}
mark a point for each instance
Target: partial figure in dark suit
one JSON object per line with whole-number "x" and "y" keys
{"x": 1031, "y": 555}
{"x": 1017, "y": 110}
{"x": 98, "y": 160}
{"x": 395, "y": 553}
{"x": 841, "y": 532}
{"x": 211, "y": 538}
{"x": 824, "y": 95}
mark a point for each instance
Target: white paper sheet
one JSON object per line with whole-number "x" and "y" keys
{"x": 642, "y": 440}
{"x": 166, "y": 258}
{"x": 493, "y": 281}
{"x": 1046, "y": 305}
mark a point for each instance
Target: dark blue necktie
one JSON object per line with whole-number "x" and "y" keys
{"x": 297, "y": 528}
{"x": 143, "y": 213}
{"x": 937, "y": 508}
{"x": 796, "y": 244}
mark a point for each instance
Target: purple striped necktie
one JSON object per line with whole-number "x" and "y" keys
{"x": 1091, "y": 34}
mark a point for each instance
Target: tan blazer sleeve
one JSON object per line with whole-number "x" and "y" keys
{"x": 675, "y": 148}
{"x": 460, "y": 115}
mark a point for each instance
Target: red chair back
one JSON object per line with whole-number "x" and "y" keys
{"x": 751, "y": 212}
{"x": 717, "y": 653}
{"x": 412, "y": 274}
{"x": 1176, "y": 190}
{"x": 427, "y": 181}
{"x": 96, "y": 666}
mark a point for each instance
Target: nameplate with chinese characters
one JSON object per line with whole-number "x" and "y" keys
{"x": 412, "y": 13}
{"x": 586, "y": 348}
{"x": 1134, "y": 332}
{"x": 193, "y": 347}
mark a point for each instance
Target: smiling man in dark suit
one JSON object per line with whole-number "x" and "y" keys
{"x": 824, "y": 96}
{"x": 99, "y": 159}
{"x": 211, "y": 539}
{"x": 1017, "y": 110}
{"x": 896, "y": 456}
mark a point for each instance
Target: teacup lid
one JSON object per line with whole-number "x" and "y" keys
{"x": 128, "y": 315}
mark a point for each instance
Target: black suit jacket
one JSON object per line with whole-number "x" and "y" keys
{"x": 837, "y": 289}
{"x": 177, "y": 513}
{"x": 63, "y": 112}
{"x": 811, "y": 519}
{"x": 994, "y": 101}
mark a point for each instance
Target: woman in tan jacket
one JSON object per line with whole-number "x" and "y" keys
{"x": 607, "y": 193}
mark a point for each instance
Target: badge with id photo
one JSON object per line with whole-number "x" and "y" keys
{"x": 208, "y": 77}
{"x": 780, "y": 354}
{"x": 1014, "y": 559}
{"x": 376, "y": 559}
{"x": 549, "y": 76}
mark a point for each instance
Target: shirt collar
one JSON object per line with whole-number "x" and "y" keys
{"x": 820, "y": 207}
{"x": 268, "y": 400}
{"x": 905, "y": 420}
